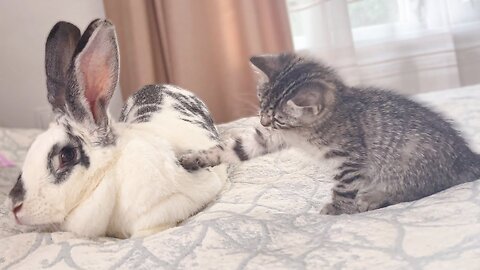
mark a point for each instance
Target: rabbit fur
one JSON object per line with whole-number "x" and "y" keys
{"x": 93, "y": 176}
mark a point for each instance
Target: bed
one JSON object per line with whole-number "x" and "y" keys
{"x": 269, "y": 218}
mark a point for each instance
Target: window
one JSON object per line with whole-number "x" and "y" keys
{"x": 377, "y": 20}
{"x": 416, "y": 45}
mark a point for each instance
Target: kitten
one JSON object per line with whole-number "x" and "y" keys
{"x": 389, "y": 148}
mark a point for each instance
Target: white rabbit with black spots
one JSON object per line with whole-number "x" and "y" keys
{"x": 93, "y": 176}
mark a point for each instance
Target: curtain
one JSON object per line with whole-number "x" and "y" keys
{"x": 408, "y": 45}
{"x": 201, "y": 45}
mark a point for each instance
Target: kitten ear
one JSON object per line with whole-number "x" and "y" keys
{"x": 266, "y": 65}
{"x": 312, "y": 98}
{"x": 308, "y": 97}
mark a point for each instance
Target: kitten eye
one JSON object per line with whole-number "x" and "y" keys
{"x": 68, "y": 155}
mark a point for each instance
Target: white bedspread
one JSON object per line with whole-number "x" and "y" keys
{"x": 269, "y": 218}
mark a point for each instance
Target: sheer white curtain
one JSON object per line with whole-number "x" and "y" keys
{"x": 408, "y": 45}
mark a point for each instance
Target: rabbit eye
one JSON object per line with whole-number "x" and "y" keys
{"x": 67, "y": 156}
{"x": 63, "y": 158}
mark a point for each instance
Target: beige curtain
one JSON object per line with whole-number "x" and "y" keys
{"x": 201, "y": 45}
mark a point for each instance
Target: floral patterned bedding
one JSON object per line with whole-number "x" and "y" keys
{"x": 268, "y": 219}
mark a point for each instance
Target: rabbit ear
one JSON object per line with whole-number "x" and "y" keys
{"x": 95, "y": 70}
{"x": 59, "y": 50}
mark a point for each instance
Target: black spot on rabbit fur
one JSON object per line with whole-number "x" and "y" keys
{"x": 17, "y": 193}
{"x": 147, "y": 109}
{"x": 191, "y": 106}
{"x": 148, "y": 95}
{"x": 150, "y": 99}
{"x": 239, "y": 151}
{"x": 146, "y": 101}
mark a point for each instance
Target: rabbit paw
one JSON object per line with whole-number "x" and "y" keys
{"x": 193, "y": 161}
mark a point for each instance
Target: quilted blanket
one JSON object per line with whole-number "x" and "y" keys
{"x": 269, "y": 219}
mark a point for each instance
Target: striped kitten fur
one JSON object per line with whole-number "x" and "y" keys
{"x": 388, "y": 148}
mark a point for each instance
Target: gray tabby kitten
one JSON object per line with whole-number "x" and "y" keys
{"x": 388, "y": 148}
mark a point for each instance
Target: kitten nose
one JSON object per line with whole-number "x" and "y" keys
{"x": 265, "y": 120}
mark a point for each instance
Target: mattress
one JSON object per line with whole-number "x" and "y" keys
{"x": 269, "y": 219}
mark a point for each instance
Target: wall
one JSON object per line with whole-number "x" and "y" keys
{"x": 24, "y": 26}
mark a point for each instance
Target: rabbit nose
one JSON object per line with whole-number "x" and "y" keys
{"x": 16, "y": 208}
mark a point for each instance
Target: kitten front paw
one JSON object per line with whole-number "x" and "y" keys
{"x": 330, "y": 209}
{"x": 192, "y": 161}
{"x": 339, "y": 208}
{"x": 370, "y": 201}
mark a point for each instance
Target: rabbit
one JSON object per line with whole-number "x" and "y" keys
{"x": 93, "y": 176}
